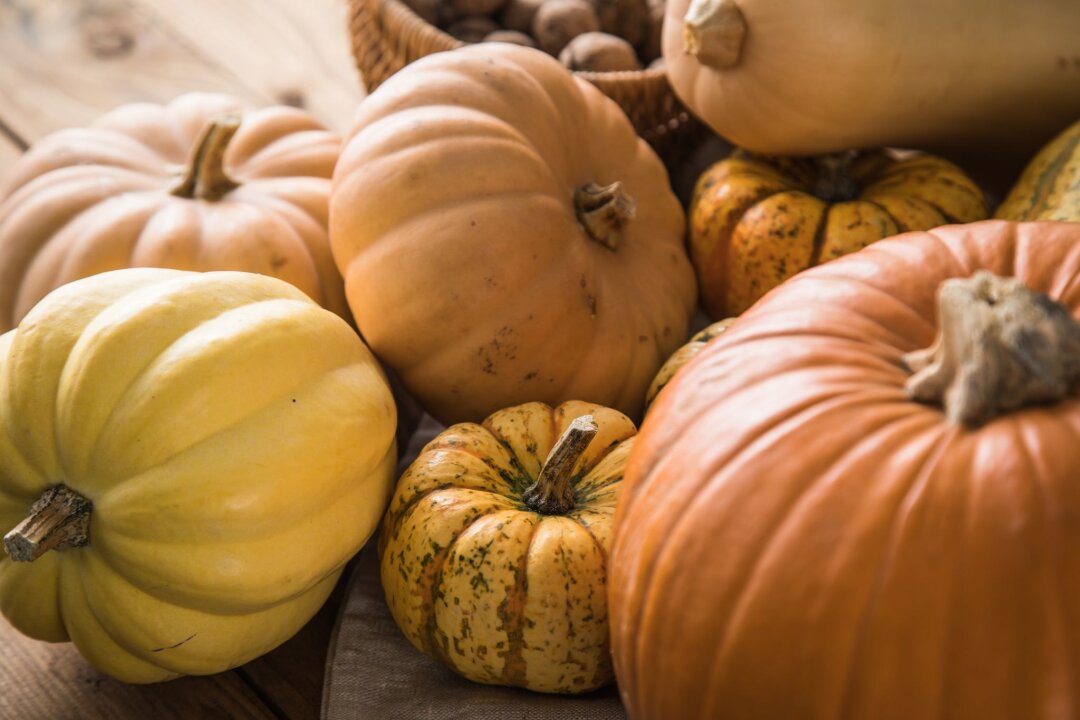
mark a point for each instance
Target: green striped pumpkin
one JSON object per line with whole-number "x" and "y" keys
{"x": 480, "y": 580}
{"x": 1049, "y": 187}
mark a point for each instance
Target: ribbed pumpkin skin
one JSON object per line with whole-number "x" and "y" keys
{"x": 88, "y": 200}
{"x": 796, "y": 539}
{"x": 236, "y": 440}
{"x": 915, "y": 74}
{"x": 497, "y": 592}
{"x": 1049, "y": 188}
{"x": 452, "y": 220}
{"x": 754, "y": 221}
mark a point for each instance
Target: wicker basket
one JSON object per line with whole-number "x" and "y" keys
{"x": 387, "y": 35}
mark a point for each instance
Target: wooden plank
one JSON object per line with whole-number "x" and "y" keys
{"x": 64, "y": 62}
{"x": 296, "y": 53}
{"x": 9, "y": 153}
{"x": 41, "y": 681}
{"x": 290, "y": 679}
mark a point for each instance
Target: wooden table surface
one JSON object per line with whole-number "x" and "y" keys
{"x": 63, "y": 63}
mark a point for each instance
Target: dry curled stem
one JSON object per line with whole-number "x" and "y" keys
{"x": 1000, "y": 346}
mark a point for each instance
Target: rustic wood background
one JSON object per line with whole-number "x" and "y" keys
{"x": 62, "y": 64}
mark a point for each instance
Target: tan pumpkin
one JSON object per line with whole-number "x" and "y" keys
{"x": 1049, "y": 188}
{"x": 683, "y": 355}
{"x": 494, "y": 550}
{"x": 859, "y": 503}
{"x": 203, "y": 183}
{"x": 505, "y": 236}
{"x": 818, "y": 76}
{"x": 756, "y": 221}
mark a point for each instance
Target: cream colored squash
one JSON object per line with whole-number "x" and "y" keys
{"x": 817, "y": 76}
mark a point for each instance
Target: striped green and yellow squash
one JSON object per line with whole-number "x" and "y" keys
{"x": 1049, "y": 187}
{"x": 494, "y": 550}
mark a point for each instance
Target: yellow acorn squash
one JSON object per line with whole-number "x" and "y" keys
{"x": 188, "y": 460}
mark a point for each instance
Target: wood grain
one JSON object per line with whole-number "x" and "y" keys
{"x": 290, "y": 679}
{"x": 9, "y": 153}
{"x": 41, "y": 681}
{"x": 65, "y": 62}
{"x": 296, "y": 53}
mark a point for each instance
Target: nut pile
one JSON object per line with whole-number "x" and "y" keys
{"x": 591, "y": 35}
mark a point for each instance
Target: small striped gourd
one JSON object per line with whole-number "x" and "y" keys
{"x": 1049, "y": 188}
{"x": 494, "y": 559}
{"x": 756, "y": 221}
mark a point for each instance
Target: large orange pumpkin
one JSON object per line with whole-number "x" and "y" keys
{"x": 506, "y": 237}
{"x": 798, "y": 538}
{"x": 203, "y": 183}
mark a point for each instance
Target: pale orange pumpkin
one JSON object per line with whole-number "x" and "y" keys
{"x": 177, "y": 186}
{"x": 506, "y": 237}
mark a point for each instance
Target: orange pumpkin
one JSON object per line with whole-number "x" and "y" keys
{"x": 799, "y": 537}
{"x": 755, "y": 221}
{"x": 506, "y": 237}
{"x": 179, "y": 186}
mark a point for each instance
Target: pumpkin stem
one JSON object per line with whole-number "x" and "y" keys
{"x": 834, "y": 182}
{"x": 205, "y": 178}
{"x": 713, "y": 32}
{"x": 552, "y": 493}
{"x": 603, "y": 210}
{"x": 1000, "y": 346}
{"x": 60, "y": 519}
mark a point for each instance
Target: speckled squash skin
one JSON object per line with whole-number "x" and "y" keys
{"x": 755, "y": 221}
{"x": 682, "y": 356}
{"x": 1049, "y": 188}
{"x": 495, "y": 591}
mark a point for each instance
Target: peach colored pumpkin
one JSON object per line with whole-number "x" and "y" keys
{"x": 171, "y": 186}
{"x": 506, "y": 237}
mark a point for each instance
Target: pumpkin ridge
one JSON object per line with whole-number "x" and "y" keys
{"x": 949, "y": 218}
{"x": 517, "y": 483}
{"x": 77, "y": 574}
{"x": 1056, "y": 594}
{"x": 29, "y": 243}
{"x": 888, "y": 554}
{"x": 768, "y": 539}
{"x": 124, "y": 394}
{"x": 681, "y": 511}
{"x": 515, "y": 669}
{"x": 576, "y": 517}
{"x": 431, "y": 589}
{"x": 724, "y": 251}
{"x": 104, "y": 499}
{"x": 71, "y": 574}
{"x": 818, "y": 241}
{"x": 900, "y": 226}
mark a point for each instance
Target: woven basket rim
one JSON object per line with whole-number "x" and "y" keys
{"x": 449, "y": 42}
